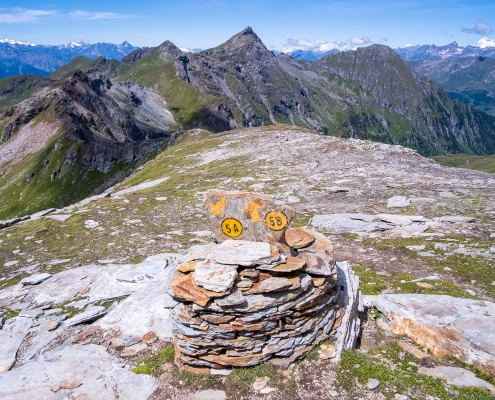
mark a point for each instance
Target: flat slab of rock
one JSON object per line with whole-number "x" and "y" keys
{"x": 443, "y": 324}
{"x": 215, "y": 277}
{"x": 456, "y": 376}
{"x": 398, "y": 201}
{"x": 35, "y": 279}
{"x": 247, "y": 216}
{"x": 11, "y": 337}
{"x": 91, "y": 314}
{"x": 81, "y": 371}
{"x": 299, "y": 238}
{"x": 146, "y": 310}
{"x": 208, "y": 395}
{"x": 246, "y": 253}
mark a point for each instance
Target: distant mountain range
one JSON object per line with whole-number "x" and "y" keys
{"x": 29, "y": 58}
{"x": 485, "y": 47}
{"x": 73, "y": 133}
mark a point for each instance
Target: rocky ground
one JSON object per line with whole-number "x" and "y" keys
{"x": 439, "y": 253}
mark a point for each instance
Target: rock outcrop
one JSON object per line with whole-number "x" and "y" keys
{"x": 445, "y": 325}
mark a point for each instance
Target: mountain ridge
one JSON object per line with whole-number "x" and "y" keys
{"x": 107, "y": 116}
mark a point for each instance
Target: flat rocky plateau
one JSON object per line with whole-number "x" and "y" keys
{"x": 405, "y": 224}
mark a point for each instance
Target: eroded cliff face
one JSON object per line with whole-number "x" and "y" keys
{"x": 77, "y": 137}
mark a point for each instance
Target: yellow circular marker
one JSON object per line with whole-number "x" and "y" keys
{"x": 231, "y": 227}
{"x": 276, "y": 220}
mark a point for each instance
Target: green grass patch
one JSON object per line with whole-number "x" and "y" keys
{"x": 401, "y": 378}
{"x": 479, "y": 163}
{"x": 151, "y": 365}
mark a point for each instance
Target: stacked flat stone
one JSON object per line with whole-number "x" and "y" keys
{"x": 245, "y": 302}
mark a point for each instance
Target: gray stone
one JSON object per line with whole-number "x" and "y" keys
{"x": 233, "y": 299}
{"x": 457, "y": 219}
{"x": 38, "y": 342}
{"x": 141, "y": 186}
{"x": 242, "y": 252}
{"x": 398, "y": 201}
{"x": 273, "y": 284}
{"x": 40, "y": 214}
{"x": 91, "y": 314}
{"x": 90, "y": 224}
{"x": 95, "y": 374}
{"x": 351, "y": 301}
{"x": 373, "y": 383}
{"x": 215, "y": 277}
{"x": 398, "y": 220}
{"x": 78, "y": 305}
{"x": 456, "y": 376}
{"x": 35, "y": 279}
{"x": 425, "y": 254}
{"x": 59, "y": 217}
{"x": 145, "y": 310}
{"x": 209, "y": 394}
{"x": 424, "y": 318}
{"x": 11, "y": 337}
{"x": 197, "y": 252}
{"x": 33, "y": 313}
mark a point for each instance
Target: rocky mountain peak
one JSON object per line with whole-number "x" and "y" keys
{"x": 169, "y": 50}
{"x": 246, "y": 39}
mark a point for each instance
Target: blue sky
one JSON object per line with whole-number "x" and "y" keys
{"x": 207, "y": 23}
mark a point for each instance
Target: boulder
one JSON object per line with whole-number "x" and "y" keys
{"x": 445, "y": 325}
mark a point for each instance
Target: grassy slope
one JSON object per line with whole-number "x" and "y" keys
{"x": 15, "y": 89}
{"x": 479, "y": 163}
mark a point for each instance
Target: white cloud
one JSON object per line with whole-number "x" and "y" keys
{"x": 80, "y": 14}
{"x": 481, "y": 28}
{"x": 319, "y": 46}
{"x": 24, "y": 15}
{"x": 360, "y": 42}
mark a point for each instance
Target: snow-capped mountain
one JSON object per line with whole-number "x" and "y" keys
{"x": 24, "y": 57}
{"x": 484, "y": 43}
{"x": 484, "y": 47}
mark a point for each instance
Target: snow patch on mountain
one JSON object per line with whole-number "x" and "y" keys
{"x": 484, "y": 43}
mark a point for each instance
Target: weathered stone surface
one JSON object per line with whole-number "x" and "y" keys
{"x": 273, "y": 284}
{"x": 184, "y": 288}
{"x": 235, "y": 298}
{"x": 35, "y": 279}
{"x": 350, "y": 303}
{"x": 292, "y": 264}
{"x": 88, "y": 370}
{"x": 11, "y": 337}
{"x": 319, "y": 256}
{"x": 443, "y": 324}
{"x": 398, "y": 201}
{"x": 456, "y": 376}
{"x": 187, "y": 267}
{"x": 298, "y": 238}
{"x": 215, "y": 277}
{"x": 242, "y": 252}
{"x": 208, "y": 395}
{"x": 91, "y": 314}
{"x": 254, "y": 212}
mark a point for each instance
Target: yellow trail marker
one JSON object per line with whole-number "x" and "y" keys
{"x": 276, "y": 220}
{"x": 231, "y": 227}
{"x": 217, "y": 209}
{"x": 252, "y": 207}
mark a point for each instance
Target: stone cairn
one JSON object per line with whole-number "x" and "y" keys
{"x": 264, "y": 293}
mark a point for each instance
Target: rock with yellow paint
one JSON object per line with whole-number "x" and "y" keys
{"x": 247, "y": 216}
{"x": 258, "y": 295}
